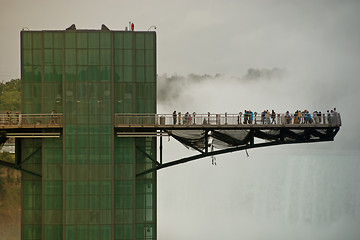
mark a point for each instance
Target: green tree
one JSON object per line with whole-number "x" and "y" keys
{"x": 10, "y": 95}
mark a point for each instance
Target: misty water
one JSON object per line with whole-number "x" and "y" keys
{"x": 269, "y": 195}
{"x": 302, "y": 191}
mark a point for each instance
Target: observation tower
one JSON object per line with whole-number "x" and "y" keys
{"x": 86, "y": 138}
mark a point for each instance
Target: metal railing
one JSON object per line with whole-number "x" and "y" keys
{"x": 23, "y": 120}
{"x": 134, "y": 119}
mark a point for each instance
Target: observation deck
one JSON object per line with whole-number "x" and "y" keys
{"x": 209, "y": 134}
{"x": 222, "y": 121}
{"x": 168, "y": 121}
{"x": 213, "y": 134}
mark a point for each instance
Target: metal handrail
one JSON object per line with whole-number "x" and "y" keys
{"x": 194, "y": 119}
{"x": 21, "y": 120}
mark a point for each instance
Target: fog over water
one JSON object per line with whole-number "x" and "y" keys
{"x": 228, "y": 56}
{"x": 304, "y": 191}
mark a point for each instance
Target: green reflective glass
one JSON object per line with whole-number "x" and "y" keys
{"x": 83, "y": 155}
{"x": 105, "y": 202}
{"x": 105, "y": 187}
{"x": 27, "y": 57}
{"x": 149, "y": 58}
{"x": 70, "y": 75}
{"x": 49, "y": 73}
{"x": 58, "y": 40}
{"x": 140, "y": 90}
{"x": 82, "y": 202}
{"x": 70, "y": 40}
{"x": 128, "y": 74}
{"x": 105, "y": 232}
{"x": 119, "y": 40}
{"x": 71, "y": 152}
{"x": 105, "y": 40}
{"x": 37, "y": 73}
{"x": 53, "y": 202}
{"x": 94, "y": 202}
{"x": 70, "y": 231}
{"x": 36, "y": 91}
{"x": 140, "y": 106}
{"x": 37, "y": 57}
{"x": 94, "y": 232}
{"x": 81, "y": 39}
{"x": 53, "y": 188}
{"x": 37, "y": 231}
{"x": 150, "y": 91}
{"x": 128, "y": 231}
{"x": 82, "y": 57}
{"x": 99, "y": 73}
{"x": 37, "y": 40}
{"x": 94, "y": 151}
{"x": 58, "y": 57}
{"x": 150, "y": 41}
{"x": 83, "y": 141}
{"x": 119, "y": 57}
{"x": 105, "y": 76}
{"x": 94, "y": 73}
{"x": 140, "y": 74}
{"x": 94, "y": 56}
{"x": 58, "y": 74}
{"x": 128, "y": 57}
{"x": 140, "y": 38}
{"x": 82, "y": 73}
{"x": 93, "y": 39}
{"x": 71, "y": 187}
{"x": 105, "y": 57}
{"x": 94, "y": 187}
{"x": 140, "y": 57}
{"x": 82, "y": 187}
{"x": 27, "y": 77}
{"x": 26, "y": 40}
{"x": 150, "y": 75}
{"x": 82, "y": 92}
{"x": 48, "y": 91}
{"x": 128, "y": 40}
{"x": 70, "y": 56}
{"x": 48, "y": 40}
{"x": 119, "y": 74}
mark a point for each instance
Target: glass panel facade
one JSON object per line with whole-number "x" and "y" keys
{"x": 88, "y": 188}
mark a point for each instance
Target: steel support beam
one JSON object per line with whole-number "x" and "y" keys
{"x": 228, "y": 150}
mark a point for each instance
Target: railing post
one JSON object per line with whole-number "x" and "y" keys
{"x": 206, "y": 141}
{"x": 161, "y": 147}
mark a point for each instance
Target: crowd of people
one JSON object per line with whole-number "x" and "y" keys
{"x": 298, "y": 117}
{"x": 12, "y": 118}
{"x": 266, "y": 117}
{"x": 183, "y": 119}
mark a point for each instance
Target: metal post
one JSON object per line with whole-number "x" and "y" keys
{"x": 251, "y": 140}
{"x": 206, "y": 141}
{"x": 161, "y": 147}
{"x": 17, "y": 152}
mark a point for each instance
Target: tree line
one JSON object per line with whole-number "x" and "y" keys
{"x": 10, "y": 95}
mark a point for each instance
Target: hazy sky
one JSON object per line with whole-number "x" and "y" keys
{"x": 309, "y": 191}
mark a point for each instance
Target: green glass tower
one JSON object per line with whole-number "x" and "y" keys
{"x": 88, "y": 187}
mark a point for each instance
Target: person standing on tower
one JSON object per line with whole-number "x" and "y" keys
{"x": 273, "y": 116}
{"x": 52, "y": 117}
{"x": 174, "y": 117}
{"x": 132, "y": 26}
